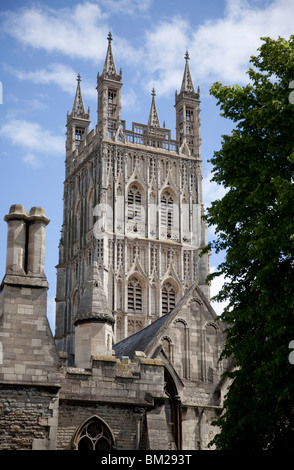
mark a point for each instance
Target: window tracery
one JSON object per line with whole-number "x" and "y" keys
{"x": 94, "y": 435}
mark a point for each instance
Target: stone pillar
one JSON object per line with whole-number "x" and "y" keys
{"x": 36, "y": 241}
{"x": 16, "y": 240}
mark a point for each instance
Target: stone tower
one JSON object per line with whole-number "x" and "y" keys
{"x": 132, "y": 204}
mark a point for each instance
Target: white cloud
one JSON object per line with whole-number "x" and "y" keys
{"x": 211, "y": 190}
{"x": 32, "y": 139}
{"x": 129, "y": 99}
{"x": 165, "y": 47}
{"x": 78, "y": 32}
{"x": 221, "y": 49}
{"x": 129, "y": 7}
{"x": 58, "y": 74}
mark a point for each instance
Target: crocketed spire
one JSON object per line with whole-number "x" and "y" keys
{"x": 78, "y": 109}
{"x": 153, "y": 116}
{"x": 109, "y": 65}
{"x": 187, "y": 83}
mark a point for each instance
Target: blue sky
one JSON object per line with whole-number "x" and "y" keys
{"x": 45, "y": 44}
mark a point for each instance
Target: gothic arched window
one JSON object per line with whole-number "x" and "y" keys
{"x": 166, "y": 210}
{"x": 134, "y": 295}
{"x": 94, "y": 435}
{"x": 134, "y": 203}
{"x": 168, "y": 298}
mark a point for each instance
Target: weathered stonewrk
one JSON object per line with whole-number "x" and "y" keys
{"x": 132, "y": 203}
{"x": 134, "y": 363}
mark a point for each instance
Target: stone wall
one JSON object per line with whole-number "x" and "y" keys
{"x": 27, "y": 417}
{"x": 119, "y": 392}
{"x": 120, "y": 419}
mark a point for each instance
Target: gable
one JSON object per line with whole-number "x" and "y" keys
{"x": 190, "y": 336}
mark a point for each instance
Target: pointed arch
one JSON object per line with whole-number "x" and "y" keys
{"x": 167, "y": 346}
{"x": 93, "y": 434}
{"x": 182, "y": 341}
{"x": 173, "y": 409}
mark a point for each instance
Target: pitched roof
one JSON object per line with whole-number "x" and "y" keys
{"x": 145, "y": 339}
{"x": 140, "y": 340}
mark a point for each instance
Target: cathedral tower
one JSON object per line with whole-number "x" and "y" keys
{"x": 133, "y": 205}
{"x": 188, "y": 113}
{"x": 109, "y": 96}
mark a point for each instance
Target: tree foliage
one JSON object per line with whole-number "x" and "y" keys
{"x": 255, "y": 227}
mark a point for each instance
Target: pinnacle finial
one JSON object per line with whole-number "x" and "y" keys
{"x": 109, "y": 65}
{"x": 187, "y": 84}
{"x": 153, "y": 116}
{"x": 78, "y": 109}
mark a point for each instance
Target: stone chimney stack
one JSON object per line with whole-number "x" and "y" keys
{"x": 36, "y": 241}
{"x": 26, "y": 241}
{"x": 16, "y": 240}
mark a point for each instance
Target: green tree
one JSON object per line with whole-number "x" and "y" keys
{"x": 255, "y": 228}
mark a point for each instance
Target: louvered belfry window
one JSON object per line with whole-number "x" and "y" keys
{"x": 168, "y": 298}
{"x": 166, "y": 210}
{"x": 134, "y": 295}
{"x": 134, "y": 204}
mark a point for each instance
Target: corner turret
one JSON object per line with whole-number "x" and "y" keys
{"x": 109, "y": 97}
{"x": 188, "y": 114}
{"x": 78, "y": 122}
{"x": 93, "y": 322}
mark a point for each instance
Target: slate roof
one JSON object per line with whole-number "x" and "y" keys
{"x": 140, "y": 340}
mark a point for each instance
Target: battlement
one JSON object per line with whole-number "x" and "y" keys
{"x": 137, "y": 381}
